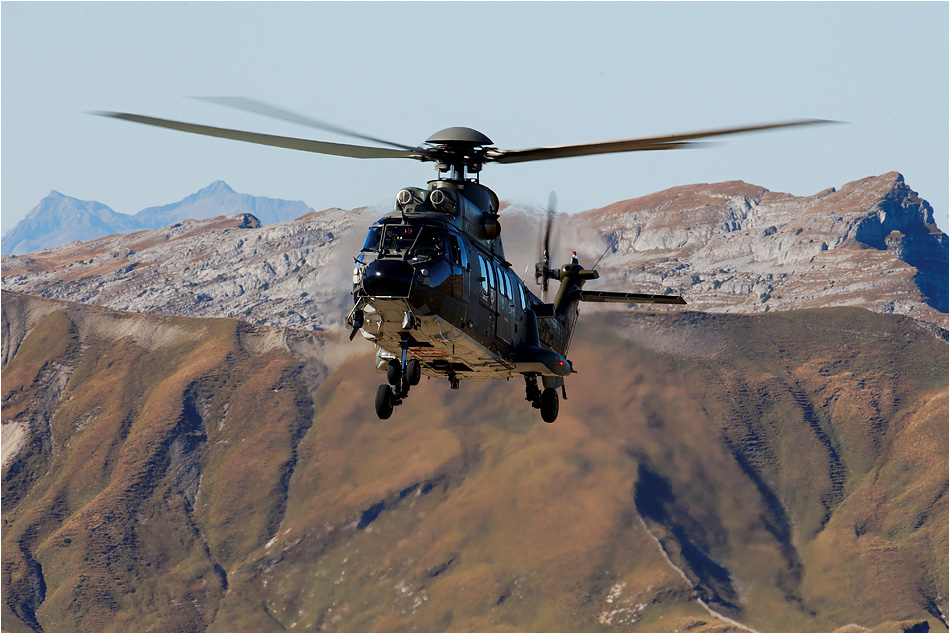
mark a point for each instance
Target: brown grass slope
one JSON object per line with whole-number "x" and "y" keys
{"x": 786, "y": 472}
{"x": 160, "y": 458}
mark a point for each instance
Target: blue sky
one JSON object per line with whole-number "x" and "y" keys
{"x": 526, "y": 74}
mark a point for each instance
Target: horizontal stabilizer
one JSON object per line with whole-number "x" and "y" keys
{"x": 630, "y": 298}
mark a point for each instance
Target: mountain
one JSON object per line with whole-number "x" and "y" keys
{"x": 784, "y": 471}
{"x": 219, "y": 199}
{"x": 58, "y": 219}
{"x": 726, "y": 247}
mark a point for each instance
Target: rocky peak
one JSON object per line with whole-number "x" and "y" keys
{"x": 213, "y": 188}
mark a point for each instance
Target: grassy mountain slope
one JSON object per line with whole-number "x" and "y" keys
{"x": 783, "y": 472}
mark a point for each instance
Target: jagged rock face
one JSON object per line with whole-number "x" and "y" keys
{"x": 726, "y": 247}
{"x": 734, "y": 247}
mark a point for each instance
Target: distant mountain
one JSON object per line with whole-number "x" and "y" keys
{"x": 709, "y": 473}
{"x": 726, "y": 247}
{"x": 218, "y": 199}
{"x": 59, "y": 219}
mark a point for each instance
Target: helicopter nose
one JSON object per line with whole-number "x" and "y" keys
{"x": 387, "y": 278}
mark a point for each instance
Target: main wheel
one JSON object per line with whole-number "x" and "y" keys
{"x": 384, "y": 402}
{"x": 549, "y": 405}
{"x": 413, "y": 371}
{"x": 393, "y": 372}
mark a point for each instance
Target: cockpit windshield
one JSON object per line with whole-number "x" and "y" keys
{"x": 414, "y": 239}
{"x": 399, "y": 237}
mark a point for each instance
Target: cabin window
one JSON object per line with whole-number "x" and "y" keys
{"x": 524, "y": 304}
{"x": 503, "y": 282}
{"x": 481, "y": 265}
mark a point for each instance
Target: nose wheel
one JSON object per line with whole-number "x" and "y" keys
{"x": 389, "y": 396}
{"x": 384, "y": 402}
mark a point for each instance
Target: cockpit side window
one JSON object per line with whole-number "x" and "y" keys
{"x": 431, "y": 240}
{"x": 372, "y": 239}
{"x": 459, "y": 257}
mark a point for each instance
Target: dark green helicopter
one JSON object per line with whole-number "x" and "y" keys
{"x": 432, "y": 288}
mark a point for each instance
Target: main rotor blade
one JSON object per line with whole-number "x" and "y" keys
{"x": 267, "y": 110}
{"x": 292, "y": 143}
{"x": 672, "y": 141}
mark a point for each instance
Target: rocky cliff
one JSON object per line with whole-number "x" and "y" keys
{"x": 735, "y": 247}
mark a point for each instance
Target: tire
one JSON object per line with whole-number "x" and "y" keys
{"x": 549, "y": 405}
{"x": 413, "y": 371}
{"x": 393, "y": 372}
{"x": 384, "y": 402}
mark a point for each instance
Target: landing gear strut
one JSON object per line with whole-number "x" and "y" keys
{"x": 546, "y": 400}
{"x": 401, "y": 375}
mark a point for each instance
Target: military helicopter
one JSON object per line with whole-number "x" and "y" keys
{"x": 432, "y": 288}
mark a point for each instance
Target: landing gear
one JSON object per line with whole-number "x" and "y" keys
{"x": 546, "y": 401}
{"x": 400, "y": 376}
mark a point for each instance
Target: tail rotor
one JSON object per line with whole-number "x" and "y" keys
{"x": 542, "y": 270}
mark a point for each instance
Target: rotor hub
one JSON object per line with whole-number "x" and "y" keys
{"x": 459, "y": 136}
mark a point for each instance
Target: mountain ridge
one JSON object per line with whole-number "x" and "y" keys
{"x": 726, "y": 247}
{"x": 58, "y": 219}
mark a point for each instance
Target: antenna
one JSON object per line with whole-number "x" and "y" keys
{"x": 609, "y": 247}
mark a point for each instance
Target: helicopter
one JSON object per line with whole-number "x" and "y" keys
{"x": 432, "y": 289}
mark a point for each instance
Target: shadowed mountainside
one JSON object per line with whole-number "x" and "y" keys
{"x": 783, "y": 472}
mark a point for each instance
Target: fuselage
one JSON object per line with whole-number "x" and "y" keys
{"x": 432, "y": 278}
